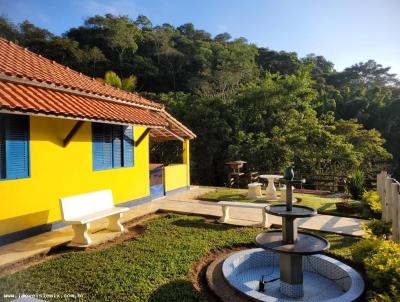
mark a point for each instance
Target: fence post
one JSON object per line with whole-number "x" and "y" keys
{"x": 394, "y": 194}
{"x": 388, "y": 200}
{"x": 382, "y": 181}
{"x": 398, "y": 218}
{"x": 379, "y": 185}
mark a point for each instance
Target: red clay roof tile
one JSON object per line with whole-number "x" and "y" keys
{"x": 20, "y": 62}
{"x": 33, "y": 84}
{"x": 19, "y": 97}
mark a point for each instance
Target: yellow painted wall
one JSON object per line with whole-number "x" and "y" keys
{"x": 175, "y": 177}
{"x": 186, "y": 159}
{"x": 57, "y": 172}
{"x": 178, "y": 175}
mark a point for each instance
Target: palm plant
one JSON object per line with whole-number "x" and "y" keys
{"x": 356, "y": 184}
{"x": 129, "y": 83}
{"x": 114, "y": 80}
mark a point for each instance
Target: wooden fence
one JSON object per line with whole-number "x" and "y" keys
{"x": 389, "y": 193}
{"x": 332, "y": 182}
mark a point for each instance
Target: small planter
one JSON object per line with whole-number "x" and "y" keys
{"x": 347, "y": 207}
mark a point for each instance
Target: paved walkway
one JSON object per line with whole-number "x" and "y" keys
{"x": 185, "y": 203}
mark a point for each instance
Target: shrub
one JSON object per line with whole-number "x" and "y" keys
{"x": 356, "y": 184}
{"x": 393, "y": 297}
{"x": 381, "y": 259}
{"x": 377, "y": 228}
{"x": 371, "y": 199}
{"x": 364, "y": 249}
{"x": 383, "y": 269}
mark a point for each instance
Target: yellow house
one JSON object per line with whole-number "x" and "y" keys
{"x": 63, "y": 133}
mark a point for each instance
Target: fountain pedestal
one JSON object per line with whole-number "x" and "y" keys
{"x": 290, "y": 243}
{"x": 291, "y": 277}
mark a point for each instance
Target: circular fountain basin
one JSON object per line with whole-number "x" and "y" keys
{"x": 325, "y": 278}
{"x": 306, "y": 244}
{"x": 296, "y": 212}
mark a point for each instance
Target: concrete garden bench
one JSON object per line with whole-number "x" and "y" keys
{"x": 80, "y": 210}
{"x": 227, "y": 204}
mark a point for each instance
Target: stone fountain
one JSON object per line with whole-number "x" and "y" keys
{"x": 291, "y": 243}
{"x": 288, "y": 265}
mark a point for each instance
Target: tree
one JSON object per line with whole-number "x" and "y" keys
{"x": 269, "y": 107}
{"x": 369, "y": 74}
{"x": 143, "y": 23}
{"x": 65, "y": 51}
{"x": 8, "y": 30}
{"x": 116, "y": 36}
{"x": 280, "y": 127}
{"x": 94, "y": 55}
{"x": 223, "y": 38}
{"x": 277, "y": 62}
{"x": 232, "y": 64}
{"x": 367, "y": 143}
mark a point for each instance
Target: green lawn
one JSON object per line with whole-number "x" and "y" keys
{"x": 324, "y": 204}
{"x": 153, "y": 267}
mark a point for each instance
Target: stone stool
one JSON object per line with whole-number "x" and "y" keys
{"x": 254, "y": 190}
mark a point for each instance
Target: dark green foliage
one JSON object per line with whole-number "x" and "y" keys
{"x": 271, "y": 61}
{"x": 356, "y": 184}
{"x": 267, "y": 107}
{"x": 167, "y": 152}
{"x": 153, "y": 267}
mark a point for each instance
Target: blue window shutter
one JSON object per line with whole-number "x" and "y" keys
{"x": 117, "y": 146}
{"x": 102, "y": 146}
{"x": 108, "y": 146}
{"x": 2, "y": 149}
{"x": 98, "y": 146}
{"x": 16, "y": 146}
{"x": 128, "y": 147}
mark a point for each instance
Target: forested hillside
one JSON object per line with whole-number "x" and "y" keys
{"x": 267, "y": 107}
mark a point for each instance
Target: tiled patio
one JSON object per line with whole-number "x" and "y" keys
{"x": 185, "y": 203}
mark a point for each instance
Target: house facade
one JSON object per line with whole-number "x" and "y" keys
{"x": 63, "y": 134}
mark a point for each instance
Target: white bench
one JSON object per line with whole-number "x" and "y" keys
{"x": 227, "y": 204}
{"x": 80, "y": 210}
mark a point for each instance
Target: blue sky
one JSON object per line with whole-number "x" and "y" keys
{"x": 344, "y": 31}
